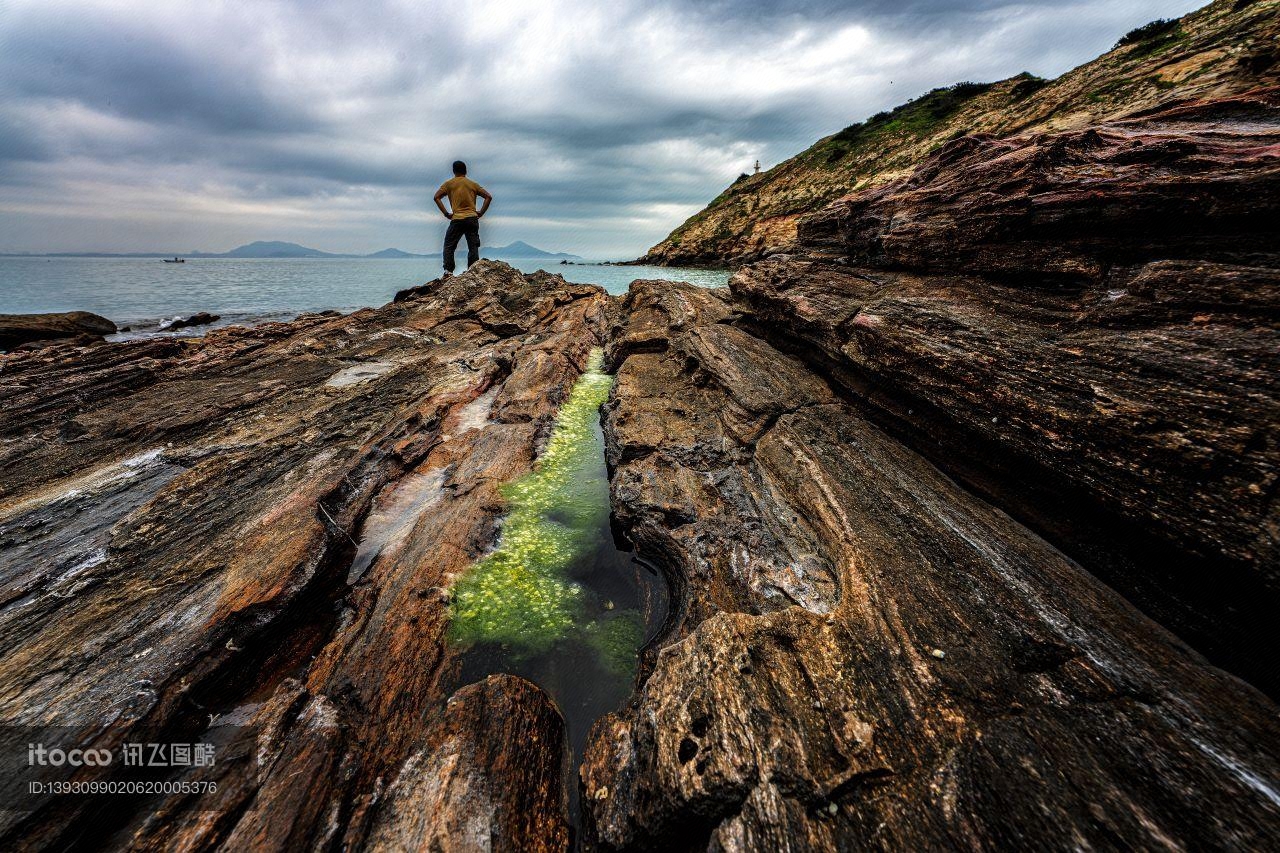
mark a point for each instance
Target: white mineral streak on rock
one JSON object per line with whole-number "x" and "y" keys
{"x": 91, "y": 481}
{"x": 396, "y": 509}
{"x": 358, "y": 373}
{"x": 475, "y": 415}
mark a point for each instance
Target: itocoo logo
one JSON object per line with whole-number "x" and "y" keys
{"x": 37, "y": 754}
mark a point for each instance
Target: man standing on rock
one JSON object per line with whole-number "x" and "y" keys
{"x": 464, "y": 220}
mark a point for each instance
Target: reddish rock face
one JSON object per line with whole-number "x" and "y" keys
{"x": 1199, "y": 181}
{"x": 1101, "y": 357}
{"x": 180, "y": 523}
{"x": 491, "y": 778}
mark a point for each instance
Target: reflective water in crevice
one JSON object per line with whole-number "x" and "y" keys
{"x": 559, "y": 601}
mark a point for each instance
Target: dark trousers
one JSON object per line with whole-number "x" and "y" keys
{"x": 458, "y": 228}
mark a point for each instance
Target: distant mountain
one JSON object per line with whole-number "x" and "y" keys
{"x": 275, "y": 249}
{"x": 521, "y": 250}
{"x": 395, "y": 253}
{"x": 518, "y": 250}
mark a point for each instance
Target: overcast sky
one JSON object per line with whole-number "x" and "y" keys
{"x": 598, "y": 126}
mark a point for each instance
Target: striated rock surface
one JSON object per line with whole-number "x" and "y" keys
{"x": 869, "y": 656}
{"x": 261, "y": 526}
{"x": 494, "y": 778}
{"x": 1201, "y": 180}
{"x": 1227, "y": 48}
{"x": 18, "y": 329}
{"x": 1094, "y": 343}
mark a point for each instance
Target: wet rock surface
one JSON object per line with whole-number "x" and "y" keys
{"x": 200, "y": 318}
{"x": 179, "y": 519}
{"x": 866, "y": 654}
{"x": 19, "y": 329}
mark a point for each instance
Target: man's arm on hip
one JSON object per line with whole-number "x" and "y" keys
{"x": 440, "y": 194}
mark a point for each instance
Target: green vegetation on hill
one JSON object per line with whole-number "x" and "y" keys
{"x": 1157, "y": 28}
{"x": 916, "y": 117}
{"x": 844, "y": 155}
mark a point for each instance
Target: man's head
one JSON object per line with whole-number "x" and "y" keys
{"x": 459, "y": 167}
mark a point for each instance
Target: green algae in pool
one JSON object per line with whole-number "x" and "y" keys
{"x": 558, "y": 602}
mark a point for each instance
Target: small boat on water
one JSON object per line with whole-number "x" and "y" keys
{"x": 175, "y": 260}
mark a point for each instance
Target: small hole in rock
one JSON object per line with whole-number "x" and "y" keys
{"x": 688, "y": 749}
{"x": 700, "y": 726}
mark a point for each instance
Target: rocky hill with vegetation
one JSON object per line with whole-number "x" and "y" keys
{"x": 1225, "y": 48}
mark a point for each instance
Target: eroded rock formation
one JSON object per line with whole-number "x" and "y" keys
{"x": 884, "y": 472}
{"x": 19, "y": 329}
{"x": 180, "y": 523}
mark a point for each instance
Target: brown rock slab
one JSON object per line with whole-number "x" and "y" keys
{"x": 870, "y": 656}
{"x": 17, "y": 329}
{"x": 494, "y": 779}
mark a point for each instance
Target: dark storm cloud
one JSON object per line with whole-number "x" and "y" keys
{"x": 340, "y": 118}
{"x": 114, "y": 68}
{"x": 649, "y": 123}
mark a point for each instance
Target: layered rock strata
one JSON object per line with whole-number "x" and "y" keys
{"x": 1084, "y": 327}
{"x": 868, "y": 655}
{"x": 261, "y": 526}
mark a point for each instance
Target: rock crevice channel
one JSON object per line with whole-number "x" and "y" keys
{"x": 927, "y": 537}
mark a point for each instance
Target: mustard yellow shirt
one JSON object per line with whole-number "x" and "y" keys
{"x": 462, "y": 196}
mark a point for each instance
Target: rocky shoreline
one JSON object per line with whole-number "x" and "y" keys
{"x": 181, "y": 514}
{"x": 966, "y": 507}
{"x": 35, "y": 330}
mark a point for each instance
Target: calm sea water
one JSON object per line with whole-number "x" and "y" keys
{"x": 141, "y": 292}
